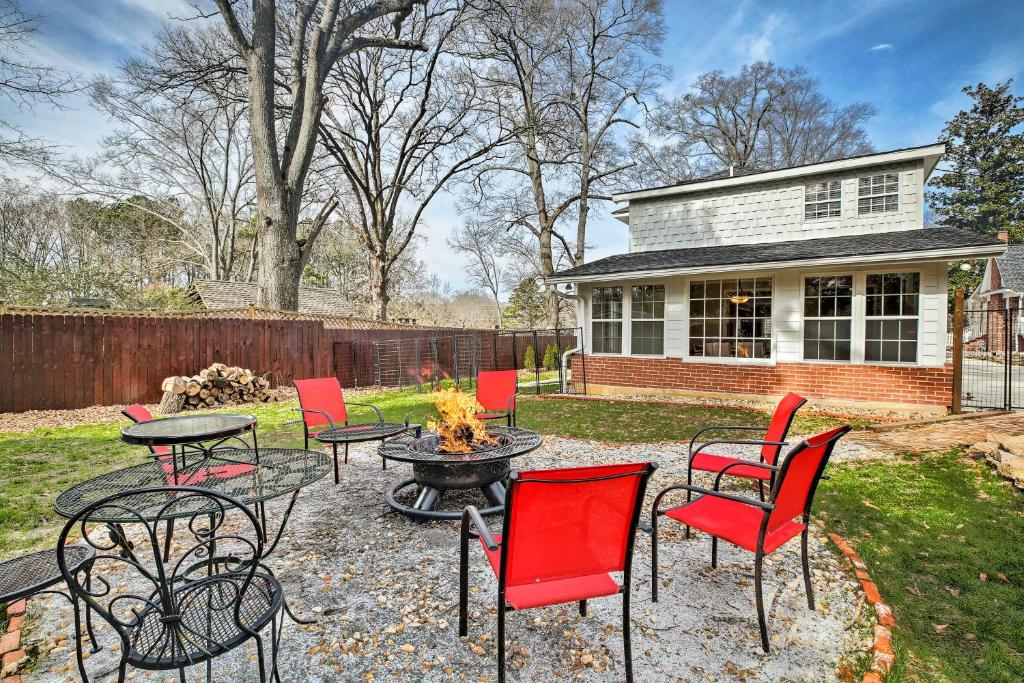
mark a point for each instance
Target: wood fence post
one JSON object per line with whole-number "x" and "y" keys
{"x": 958, "y": 351}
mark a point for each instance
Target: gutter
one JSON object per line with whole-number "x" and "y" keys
{"x": 931, "y": 255}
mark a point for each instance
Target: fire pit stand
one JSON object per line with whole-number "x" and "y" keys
{"x": 434, "y": 472}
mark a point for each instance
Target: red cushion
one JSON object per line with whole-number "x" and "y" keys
{"x": 552, "y": 592}
{"x": 197, "y": 477}
{"x": 735, "y": 522}
{"x": 709, "y": 462}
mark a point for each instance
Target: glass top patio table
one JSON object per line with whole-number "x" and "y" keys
{"x": 237, "y": 472}
{"x": 187, "y": 429}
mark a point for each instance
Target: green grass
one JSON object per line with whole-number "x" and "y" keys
{"x": 942, "y": 538}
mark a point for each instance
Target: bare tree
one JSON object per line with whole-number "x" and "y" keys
{"x": 24, "y": 83}
{"x": 402, "y": 127}
{"x": 316, "y": 34}
{"x": 765, "y": 117}
{"x": 565, "y": 73}
{"x": 484, "y": 246}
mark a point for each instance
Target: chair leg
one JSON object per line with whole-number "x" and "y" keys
{"x": 807, "y": 569}
{"x": 463, "y": 584}
{"x": 168, "y": 537}
{"x": 183, "y": 679}
{"x": 760, "y": 489}
{"x": 88, "y": 611}
{"x": 583, "y": 608}
{"x": 337, "y": 478}
{"x": 501, "y": 639}
{"x": 78, "y": 643}
{"x": 259, "y": 657}
{"x": 689, "y": 482}
{"x": 759, "y": 598}
{"x": 627, "y": 640}
{"x": 275, "y": 641}
{"x": 654, "y": 555}
{"x": 714, "y": 552}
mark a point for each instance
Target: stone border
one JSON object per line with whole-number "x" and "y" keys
{"x": 10, "y": 643}
{"x": 883, "y": 656}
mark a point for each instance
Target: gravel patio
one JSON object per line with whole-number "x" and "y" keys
{"x": 384, "y": 592}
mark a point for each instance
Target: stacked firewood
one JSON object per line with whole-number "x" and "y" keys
{"x": 216, "y": 385}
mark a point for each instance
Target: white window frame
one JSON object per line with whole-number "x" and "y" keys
{"x": 854, "y": 284}
{"x": 729, "y": 360}
{"x": 866, "y": 317}
{"x": 874, "y": 193}
{"x": 826, "y": 193}
{"x": 621, "y": 321}
{"x": 627, "y": 313}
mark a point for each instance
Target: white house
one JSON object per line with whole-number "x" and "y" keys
{"x": 819, "y": 279}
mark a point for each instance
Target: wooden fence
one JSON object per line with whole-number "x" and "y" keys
{"x": 54, "y": 361}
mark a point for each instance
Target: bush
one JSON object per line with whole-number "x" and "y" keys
{"x": 551, "y": 357}
{"x": 530, "y": 358}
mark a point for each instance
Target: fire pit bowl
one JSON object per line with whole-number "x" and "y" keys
{"x": 435, "y": 471}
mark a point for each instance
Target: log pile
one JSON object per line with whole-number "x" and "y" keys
{"x": 214, "y": 386}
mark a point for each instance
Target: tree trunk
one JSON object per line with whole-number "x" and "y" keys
{"x": 280, "y": 258}
{"x": 551, "y": 306}
{"x": 379, "y": 283}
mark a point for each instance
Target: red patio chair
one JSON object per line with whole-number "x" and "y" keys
{"x": 771, "y": 446}
{"x": 759, "y": 526}
{"x": 137, "y": 412}
{"x": 496, "y": 392}
{"x": 564, "y": 531}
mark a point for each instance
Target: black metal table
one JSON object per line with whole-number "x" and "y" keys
{"x": 187, "y": 434}
{"x": 436, "y": 472}
{"x": 37, "y": 573}
{"x": 372, "y": 431}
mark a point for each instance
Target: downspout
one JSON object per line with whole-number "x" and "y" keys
{"x": 577, "y": 348}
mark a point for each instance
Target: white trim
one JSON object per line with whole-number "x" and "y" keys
{"x": 931, "y": 255}
{"x": 936, "y": 151}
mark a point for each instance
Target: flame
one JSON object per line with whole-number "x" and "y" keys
{"x": 459, "y": 425}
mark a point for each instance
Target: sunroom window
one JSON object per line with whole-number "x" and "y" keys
{"x": 731, "y": 318}
{"x": 828, "y": 314}
{"x": 892, "y": 304}
{"x": 606, "y": 317}
{"x": 878, "y": 193}
{"x": 822, "y": 200}
{"x": 647, "y": 320}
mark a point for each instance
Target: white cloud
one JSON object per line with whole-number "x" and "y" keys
{"x": 879, "y": 47}
{"x": 761, "y": 45}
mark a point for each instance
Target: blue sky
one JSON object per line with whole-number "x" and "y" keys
{"x": 908, "y": 58}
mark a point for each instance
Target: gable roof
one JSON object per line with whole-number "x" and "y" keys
{"x": 930, "y": 154}
{"x": 905, "y": 245}
{"x": 216, "y": 295}
{"x": 1011, "y": 268}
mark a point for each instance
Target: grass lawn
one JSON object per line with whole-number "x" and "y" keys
{"x": 942, "y": 538}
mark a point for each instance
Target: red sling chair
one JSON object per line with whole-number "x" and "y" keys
{"x": 771, "y": 446}
{"x": 756, "y": 525}
{"x": 323, "y": 407}
{"x": 496, "y": 394}
{"x": 564, "y": 531}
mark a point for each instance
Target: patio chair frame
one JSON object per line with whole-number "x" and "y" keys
{"x": 472, "y": 519}
{"x": 779, "y": 474}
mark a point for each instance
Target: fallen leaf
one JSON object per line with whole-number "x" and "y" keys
{"x": 954, "y": 591}
{"x": 914, "y": 590}
{"x": 1002, "y": 577}
{"x": 940, "y": 628}
{"x": 983, "y": 577}
{"x": 869, "y": 504}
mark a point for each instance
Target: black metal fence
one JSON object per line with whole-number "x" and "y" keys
{"x": 426, "y": 361}
{"x": 993, "y": 376}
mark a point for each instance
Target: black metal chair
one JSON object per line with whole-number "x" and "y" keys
{"x": 174, "y": 610}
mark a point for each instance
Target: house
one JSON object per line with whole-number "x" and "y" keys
{"x": 220, "y": 295}
{"x": 820, "y": 279}
{"x": 999, "y": 295}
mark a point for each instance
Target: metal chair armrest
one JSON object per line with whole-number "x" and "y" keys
{"x": 762, "y": 465}
{"x": 764, "y": 505}
{"x": 746, "y": 428}
{"x": 736, "y": 442}
{"x": 380, "y": 415}
{"x": 512, "y": 403}
{"x": 330, "y": 420}
{"x": 471, "y": 515}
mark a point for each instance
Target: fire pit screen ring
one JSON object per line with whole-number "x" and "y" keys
{"x": 485, "y": 467}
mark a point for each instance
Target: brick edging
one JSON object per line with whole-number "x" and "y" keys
{"x": 10, "y": 643}
{"x": 883, "y": 656}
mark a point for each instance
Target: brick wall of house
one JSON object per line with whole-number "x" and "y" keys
{"x": 845, "y": 382}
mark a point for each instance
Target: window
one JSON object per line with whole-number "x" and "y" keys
{"x": 828, "y": 312}
{"x": 822, "y": 200}
{"x": 647, "y": 320}
{"x": 731, "y": 318}
{"x": 892, "y": 301}
{"x": 878, "y": 193}
{"x": 606, "y": 312}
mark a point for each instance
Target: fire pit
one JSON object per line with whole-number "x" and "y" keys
{"x": 435, "y": 471}
{"x": 460, "y": 453}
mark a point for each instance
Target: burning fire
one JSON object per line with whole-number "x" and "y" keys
{"x": 459, "y": 425}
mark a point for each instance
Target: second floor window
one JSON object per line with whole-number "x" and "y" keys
{"x": 606, "y": 314}
{"x": 822, "y": 200}
{"x": 878, "y": 193}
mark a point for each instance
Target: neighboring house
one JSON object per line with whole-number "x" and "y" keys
{"x": 216, "y": 295}
{"x": 1000, "y": 294}
{"x": 819, "y": 279}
